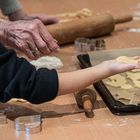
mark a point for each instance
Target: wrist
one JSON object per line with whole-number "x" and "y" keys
{"x": 101, "y": 71}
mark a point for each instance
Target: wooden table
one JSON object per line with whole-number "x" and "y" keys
{"x": 73, "y": 126}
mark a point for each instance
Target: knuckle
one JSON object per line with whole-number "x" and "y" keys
{"x": 49, "y": 41}
{"x": 37, "y": 21}
{"x": 27, "y": 37}
{"x": 32, "y": 27}
{"x": 21, "y": 46}
{"x": 42, "y": 46}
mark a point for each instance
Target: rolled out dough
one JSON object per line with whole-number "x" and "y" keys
{"x": 127, "y": 81}
{"x": 118, "y": 81}
{"x": 135, "y": 77}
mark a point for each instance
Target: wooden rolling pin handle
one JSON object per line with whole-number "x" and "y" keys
{"x": 88, "y": 106}
{"x": 85, "y": 100}
{"x": 123, "y": 19}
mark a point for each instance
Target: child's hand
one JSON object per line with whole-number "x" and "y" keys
{"x": 112, "y": 67}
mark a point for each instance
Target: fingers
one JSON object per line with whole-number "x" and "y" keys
{"x": 28, "y": 48}
{"x": 34, "y": 50}
{"x": 46, "y": 20}
{"x": 41, "y": 45}
{"x": 136, "y": 57}
{"x": 128, "y": 67}
{"x": 49, "y": 20}
{"x": 48, "y": 39}
{"x": 23, "y": 47}
{"x": 29, "y": 54}
{"x": 31, "y": 37}
{"x": 43, "y": 40}
{"x": 123, "y": 67}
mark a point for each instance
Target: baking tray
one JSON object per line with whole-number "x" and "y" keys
{"x": 93, "y": 58}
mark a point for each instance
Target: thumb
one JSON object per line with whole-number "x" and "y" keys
{"x": 47, "y": 20}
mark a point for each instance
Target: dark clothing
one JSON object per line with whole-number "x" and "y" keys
{"x": 20, "y": 79}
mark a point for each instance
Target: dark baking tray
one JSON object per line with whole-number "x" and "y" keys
{"x": 116, "y": 107}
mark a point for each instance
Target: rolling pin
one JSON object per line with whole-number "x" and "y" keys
{"x": 85, "y": 100}
{"x": 94, "y": 26}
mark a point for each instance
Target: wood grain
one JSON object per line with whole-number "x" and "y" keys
{"x": 104, "y": 126}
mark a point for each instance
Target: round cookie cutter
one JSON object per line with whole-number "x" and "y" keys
{"x": 29, "y": 124}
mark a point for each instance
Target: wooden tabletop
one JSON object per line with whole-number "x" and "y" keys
{"x": 62, "y": 120}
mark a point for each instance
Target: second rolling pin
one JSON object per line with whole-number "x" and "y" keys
{"x": 94, "y": 26}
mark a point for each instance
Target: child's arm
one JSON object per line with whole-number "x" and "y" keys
{"x": 77, "y": 80}
{"x": 19, "y": 79}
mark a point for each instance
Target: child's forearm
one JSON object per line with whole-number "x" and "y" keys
{"x": 77, "y": 80}
{"x": 73, "y": 81}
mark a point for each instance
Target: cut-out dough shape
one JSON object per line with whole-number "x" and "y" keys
{"x": 135, "y": 77}
{"x": 124, "y": 95}
{"x": 135, "y": 100}
{"x": 118, "y": 81}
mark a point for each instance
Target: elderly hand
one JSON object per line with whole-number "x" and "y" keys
{"x": 45, "y": 19}
{"x": 29, "y": 36}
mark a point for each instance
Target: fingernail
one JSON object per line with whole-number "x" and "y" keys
{"x": 55, "y": 41}
{"x": 57, "y": 50}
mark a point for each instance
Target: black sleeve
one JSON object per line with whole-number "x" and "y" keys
{"x": 20, "y": 79}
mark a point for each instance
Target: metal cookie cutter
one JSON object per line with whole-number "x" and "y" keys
{"x": 32, "y": 128}
{"x": 29, "y": 124}
{"x": 83, "y": 45}
{"x": 99, "y": 44}
{"x": 3, "y": 117}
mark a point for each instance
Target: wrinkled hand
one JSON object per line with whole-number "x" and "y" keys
{"x": 45, "y": 19}
{"x": 112, "y": 67}
{"x": 29, "y": 36}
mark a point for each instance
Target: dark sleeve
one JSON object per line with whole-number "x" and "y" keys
{"x": 10, "y": 6}
{"x": 20, "y": 79}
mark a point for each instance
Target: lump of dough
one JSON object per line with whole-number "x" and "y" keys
{"x": 47, "y": 62}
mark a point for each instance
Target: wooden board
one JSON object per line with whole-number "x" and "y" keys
{"x": 104, "y": 126}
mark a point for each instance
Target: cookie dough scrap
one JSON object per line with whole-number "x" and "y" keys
{"x": 135, "y": 77}
{"x": 129, "y": 60}
{"x": 118, "y": 81}
{"x": 124, "y": 95}
{"x": 83, "y": 13}
{"x": 135, "y": 100}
